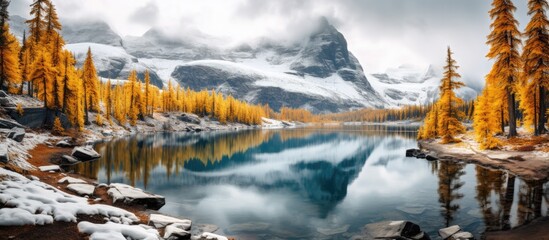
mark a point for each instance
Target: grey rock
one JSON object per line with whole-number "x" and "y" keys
{"x": 64, "y": 144}
{"x": 66, "y": 159}
{"x": 5, "y": 123}
{"x": 4, "y": 156}
{"x": 3, "y": 94}
{"x": 107, "y": 132}
{"x": 49, "y": 168}
{"x": 445, "y": 233}
{"x": 160, "y": 221}
{"x": 131, "y": 195}
{"x": 17, "y": 134}
{"x": 81, "y": 188}
{"x": 6, "y": 102}
{"x": 85, "y": 153}
{"x": 393, "y": 230}
{"x": 462, "y": 236}
{"x": 177, "y": 231}
{"x": 189, "y": 118}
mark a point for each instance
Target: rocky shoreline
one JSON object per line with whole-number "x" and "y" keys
{"x": 528, "y": 165}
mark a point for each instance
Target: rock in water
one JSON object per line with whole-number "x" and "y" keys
{"x": 211, "y": 236}
{"x": 462, "y": 236}
{"x": 176, "y": 231}
{"x": 129, "y": 194}
{"x": 17, "y": 134}
{"x": 445, "y": 233}
{"x": 430, "y": 158}
{"x": 412, "y": 152}
{"x": 68, "y": 160}
{"x": 394, "y": 230}
{"x": 85, "y": 153}
{"x": 4, "y": 157}
{"x": 160, "y": 221}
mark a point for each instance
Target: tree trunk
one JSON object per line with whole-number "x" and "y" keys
{"x": 512, "y": 117}
{"x": 541, "y": 111}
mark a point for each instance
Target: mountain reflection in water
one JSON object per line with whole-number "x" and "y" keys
{"x": 314, "y": 183}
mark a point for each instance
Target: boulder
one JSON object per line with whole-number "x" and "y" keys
{"x": 4, "y": 157}
{"x": 68, "y": 160}
{"x": 189, "y": 118}
{"x": 70, "y": 180}
{"x": 210, "y": 236}
{"x": 160, "y": 221}
{"x": 49, "y": 168}
{"x": 421, "y": 155}
{"x": 131, "y": 195}
{"x": 5, "y": 123}
{"x": 17, "y": 134}
{"x": 430, "y": 158}
{"x": 3, "y": 94}
{"x": 462, "y": 236}
{"x": 64, "y": 144}
{"x": 445, "y": 233}
{"x": 82, "y": 188}
{"x": 412, "y": 152}
{"x": 176, "y": 231}
{"x": 107, "y": 133}
{"x": 6, "y": 102}
{"x": 85, "y": 153}
{"x": 394, "y": 230}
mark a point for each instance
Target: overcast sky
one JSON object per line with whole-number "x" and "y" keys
{"x": 380, "y": 33}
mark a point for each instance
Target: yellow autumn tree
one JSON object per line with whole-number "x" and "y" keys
{"x": 10, "y": 75}
{"x": 90, "y": 85}
{"x": 43, "y": 76}
{"x": 536, "y": 68}
{"x": 504, "y": 41}
{"x": 450, "y": 115}
{"x": 134, "y": 90}
{"x": 483, "y": 122}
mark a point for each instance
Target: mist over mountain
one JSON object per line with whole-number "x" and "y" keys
{"x": 316, "y": 72}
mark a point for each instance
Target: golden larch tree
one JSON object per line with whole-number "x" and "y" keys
{"x": 504, "y": 41}
{"x": 536, "y": 67}
{"x": 90, "y": 84}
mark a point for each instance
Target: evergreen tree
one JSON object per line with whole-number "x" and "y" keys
{"x": 43, "y": 76}
{"x": 536, "y": 67}
{"x": 450, "y": 114}
{"x": 90, "y": 85}
{"x": 10, "y": 74}
{"x": 504, "y": 41}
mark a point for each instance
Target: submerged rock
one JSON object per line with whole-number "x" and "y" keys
{"x": 132, "y": 195}
{"x": 85, "y": 153}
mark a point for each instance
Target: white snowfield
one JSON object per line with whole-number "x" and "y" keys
{"x": 115, "y": 231}
{"x": 31, "y": 202}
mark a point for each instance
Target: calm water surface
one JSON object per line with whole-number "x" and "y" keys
{"x": 314, "y": 183}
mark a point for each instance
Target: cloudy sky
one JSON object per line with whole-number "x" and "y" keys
{"x": 381, "y": 33}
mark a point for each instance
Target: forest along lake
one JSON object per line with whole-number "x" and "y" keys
{"x": 314, "y": 183}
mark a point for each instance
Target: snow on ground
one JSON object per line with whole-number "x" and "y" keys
{"x": 31, "y": 202}
{"x": 116, "y": 231}
{"x": 18, "y": 151}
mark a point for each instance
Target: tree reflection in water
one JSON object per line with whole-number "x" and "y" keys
{"x": 449, "y": 183}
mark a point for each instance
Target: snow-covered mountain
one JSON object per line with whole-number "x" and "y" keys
{"x": 408, "y": 85}
{"x": 317, "y": 73}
